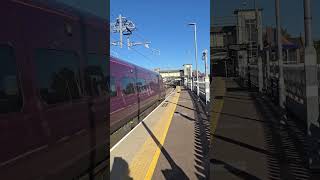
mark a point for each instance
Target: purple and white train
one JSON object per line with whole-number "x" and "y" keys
{"x": 133, "y": 89}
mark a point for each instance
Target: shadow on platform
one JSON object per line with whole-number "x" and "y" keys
{"x": 283, "y": 150}
{"x": 120, "y": 170}
{"x": 196, "y": 110}
{"x": 202, "y": 139}
{"x": 237, "y": 172}
{"x": 175, "y": 172}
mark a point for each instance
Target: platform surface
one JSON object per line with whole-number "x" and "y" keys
{"x": 247, "y": 139}
{"x": 171, "y": 143}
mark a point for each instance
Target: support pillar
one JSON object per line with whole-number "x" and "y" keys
{"x": 268, "y": 69}
{"x": 207, "y": 89}
{"x": 260, "y": 74}
{"x": 280, "y": 58}
{"x": 312, "y": 104}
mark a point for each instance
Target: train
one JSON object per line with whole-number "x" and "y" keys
{"x": 53, "y": 97}
{"x": 133, "y": 89}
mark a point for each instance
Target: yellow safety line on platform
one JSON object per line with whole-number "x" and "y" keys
{"x": 217, "y": 104}
{"x": 216, "y": 110}
{"x": 145, "y": 161}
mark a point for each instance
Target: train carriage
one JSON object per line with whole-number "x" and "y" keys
{"x": 133, "y": 90}
{"x": 53, "y": 94}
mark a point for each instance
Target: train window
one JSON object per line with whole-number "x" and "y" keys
{"x": 113, "y": 89}
{"x": 141, "y": 85}
{"x": 151, "y": 82}
{"x": 96, "y": 75}
{"x": 127, "y": 85}
{"x": 58, "y": 75}
{"x": 10, "y": 94}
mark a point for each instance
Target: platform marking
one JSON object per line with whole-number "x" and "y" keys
{"x": 216, "y": 110}
{"x": 113, "y": 147}
{"x": 217, "y": 104}
{"x": 157, "y": 154}
{"x": 145, "y": 161}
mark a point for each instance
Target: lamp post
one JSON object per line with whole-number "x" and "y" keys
{"x": 259, "y": 46}
{"x": 206, "y": 80}
{"x": 280, "y": 61}
{"x": 196, "y": 53}
{"x": 311, "y": 89}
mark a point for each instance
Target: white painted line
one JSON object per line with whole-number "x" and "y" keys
{"x": 170, "y": 92}
{"x": 113, "y": 147}
{"x": 23, "y": 155}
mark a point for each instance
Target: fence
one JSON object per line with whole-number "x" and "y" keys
{"x": 203, "y": 92}
{"x": 294, "y": 81}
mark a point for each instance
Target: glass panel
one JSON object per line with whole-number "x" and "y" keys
{"x": 96, "y": 80}
{"x": 10, "y": 96}
{"x": 57, "y": 74}
{"x": 127, "y": 86}
{"x": 113, "y": 89}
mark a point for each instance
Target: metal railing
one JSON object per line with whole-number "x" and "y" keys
{"x": 294, "y": 79}
{"x": 204, "y": 93}
{"x": 254, "y": 75}
{"x": 294, "y": 82}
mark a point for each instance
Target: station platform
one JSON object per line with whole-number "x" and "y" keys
{"x": 172, "y": 142}
{"x": 248, "y": 140}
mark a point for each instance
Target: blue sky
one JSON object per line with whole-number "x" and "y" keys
{"x": 164, "y": 24}
{"x": 291, "y": 13}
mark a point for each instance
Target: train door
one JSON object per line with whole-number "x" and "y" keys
{"x": 152, "y": 88}
{"x": 128, "y": 90}
{"x": 21, "y": 130}
{"x": 95, "y": 80}
{"x": 96, "y": 70}
{"x": 117, "y": 102}
{"x": 142, "y": 88}
{"x": 161, "y": 88}
{"x": 124, "y": 103}
{"x": 96, "y": 77}
{"x": 54, "y": 47}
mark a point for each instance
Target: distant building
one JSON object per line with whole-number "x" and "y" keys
{"x": 172, "y": 75}
{"x": 293, "y": 50}
{"x": 179, "y": 76}
{"x": 221, "y": 38}
{"x": 187, "y": 72}
{"x": 187, "y": 68}
{"x": 156, "y": 70}
{"x": 249, "y": 31}
{"x": 200, "y": 75}
{"x": 292, "y": 47}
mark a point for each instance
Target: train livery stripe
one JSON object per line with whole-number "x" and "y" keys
{"x": 145, "y": 160}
